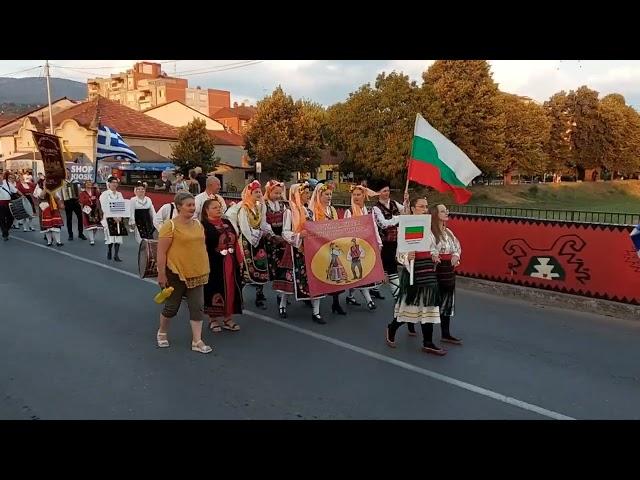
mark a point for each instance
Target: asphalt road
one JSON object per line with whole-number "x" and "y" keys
{"x": 77, "y": 341}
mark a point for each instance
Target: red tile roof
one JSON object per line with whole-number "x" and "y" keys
{"x": 124, "y": 120}
{"x": 243, "y": 113}
{"x": 221, "y": 137}
{"x": 7, "y": 117}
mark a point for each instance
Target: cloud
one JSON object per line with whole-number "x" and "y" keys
{"x": 330, "y": 81}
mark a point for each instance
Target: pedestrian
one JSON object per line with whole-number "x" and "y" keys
{"x": 223, "y": 291}
{"x": 91, "y": 212}
{"x": 192, "y": 184}
{"x": 417, "y": 302}
{"x": 183, "y": 264}
{"x": 201, "y": 178}
{"x": 142, "y": 213}
{"x": 163, "y": 183}
{"x": 180, "y": 184}
{"x": 114, "y": 227}
{"x": 26, "y": 187}
{"x": 210, "y": 192}
{"x": 50, "y": 216}
{"x": 356, "y": 253}
{"x": 8, "y": 192}
{"x": 446, "y": 255}
{"x": 70, "y": 194}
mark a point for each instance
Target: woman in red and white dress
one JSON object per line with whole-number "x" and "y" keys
{"x": 91, "y": 214}
{"x": 50, "y": 216}
{"x": 26, "y": 188}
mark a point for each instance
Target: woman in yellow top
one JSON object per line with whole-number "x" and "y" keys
{"x": 183, "y": 264}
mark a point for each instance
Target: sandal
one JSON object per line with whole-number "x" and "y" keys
{"x": 161, "y": 338}
{"x": 201, "y": 347}
{"x": 214, "y": 326}
{"x": 230, "y": 325}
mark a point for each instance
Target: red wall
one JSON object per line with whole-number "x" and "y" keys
{"x": 582, "y": 259}
{"x": 591, "y": 260}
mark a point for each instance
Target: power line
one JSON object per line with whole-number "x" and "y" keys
{"x": 217, "y": 66}
{"x": 221, "y": 69}
{"x": 107, "y": 67}
{"x": 19, "y": 71}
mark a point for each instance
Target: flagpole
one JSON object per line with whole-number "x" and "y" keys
{"x": 46, "y": 72}
{"x": 96, "y": 125}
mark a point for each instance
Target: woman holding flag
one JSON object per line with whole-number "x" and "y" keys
{"x": 418, "y": 295}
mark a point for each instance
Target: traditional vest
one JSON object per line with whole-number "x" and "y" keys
{"x": 275, "y": 219}
{"x": 355, "y": 253}
{"x": 389, "y": 234}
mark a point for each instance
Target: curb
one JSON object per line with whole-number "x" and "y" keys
{"x": 551, "y": 299}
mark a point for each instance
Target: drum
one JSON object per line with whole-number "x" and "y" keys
{"x": 147, "y": 257}
{"x": 21, "y": 208}
{"x": 70, "y": 191}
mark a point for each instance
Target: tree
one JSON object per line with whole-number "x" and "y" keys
{"x": 285, "y": 135}
{"x": 374, "y": 126}
{"x": 587, "y": 136}
{"x": 526, "y": 136}
{"x": 558, "y": 147}
{"x": 472, "y": 117}
{"x": 195, "y": 148}
{"x": 621, "y": 144}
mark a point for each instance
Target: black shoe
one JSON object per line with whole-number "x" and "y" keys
{"x": 451, "y": 339}
{"x": 318, "y": 319}
{"x": 82, "y": 237}
{"x": 352, "y": 301}
{"x": 283, "y": 312}
{"x": 6, "y": 239}
{"x": 376, "y": 293}
{"x": 337, "y": 309}
{"x": 70, "y": 238}
{"x": 117, "y": 258}
{"x": 433, "y": 349}
{"x": 260, "y": 297}
{"x": 59, "y": 244}
{"x": 260, "y": 304}
{"x": 371, "y": 305}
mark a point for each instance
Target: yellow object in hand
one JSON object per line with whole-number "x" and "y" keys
{"x": 163, "y": 295}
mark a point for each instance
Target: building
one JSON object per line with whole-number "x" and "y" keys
{"x": 77, "y": 126}
{"x": 179, "y": 114}
{"x": 329, "y": 170}
{"x": 37, "y": 119}
{"x": 146, "y": 86}
{"x": 237, "y": 118}
{"x": 233, "y": 169}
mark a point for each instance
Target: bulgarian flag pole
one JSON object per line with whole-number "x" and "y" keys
{"x": 437, "y": 162}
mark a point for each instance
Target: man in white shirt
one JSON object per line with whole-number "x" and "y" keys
{"x": 386, "y": 213}
{"x": 211, "y": 192}
{"x": 166, "y": 212}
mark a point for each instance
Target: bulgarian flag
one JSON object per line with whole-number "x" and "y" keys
{"x": 437, "y": 162}
{"x": 414, "y": 233}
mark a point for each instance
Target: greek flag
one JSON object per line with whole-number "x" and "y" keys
{"x": 111, "y": 144}
{"x": 635, "y": 238}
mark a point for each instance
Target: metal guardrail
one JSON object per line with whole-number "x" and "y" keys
{"x": 614, "y": 218}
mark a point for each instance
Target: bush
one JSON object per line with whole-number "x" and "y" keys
{"x": 533, "y": 190}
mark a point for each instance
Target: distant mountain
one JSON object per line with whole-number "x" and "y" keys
{"x": 33, "y": 90}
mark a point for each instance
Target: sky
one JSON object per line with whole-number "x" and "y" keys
{"x": 330, "y": 81}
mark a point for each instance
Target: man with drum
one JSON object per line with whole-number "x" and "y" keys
{"x": 8, "y": 192}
